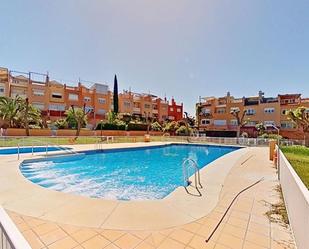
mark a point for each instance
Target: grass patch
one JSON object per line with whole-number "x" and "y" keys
{"x": 277, "y": 212}
{"x": 298, "y": 156}
{"x": 42, "y": 141}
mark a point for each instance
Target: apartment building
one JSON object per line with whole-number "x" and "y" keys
{"x": 4, "y": 82}
{"x": 53, "y": 98}
{"x": 175, "y": 111}
{"x": 144, "y": 105}
{"x": 215, "y": 119}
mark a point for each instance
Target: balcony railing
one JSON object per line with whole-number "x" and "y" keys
{"x": 136, "y": 110}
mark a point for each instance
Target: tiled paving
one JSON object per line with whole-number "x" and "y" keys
{"x": 244, "y": 227}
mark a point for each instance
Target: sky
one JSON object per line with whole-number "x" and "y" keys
{"x": 176, "y": 48}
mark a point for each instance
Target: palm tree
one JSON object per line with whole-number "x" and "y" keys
{"x": 9, "y": 107}
{"x": 300, "y": 117}
{"x": 17, "y": 112}
{"x": 28, "y": 115}
{"x": 79, "y": 116}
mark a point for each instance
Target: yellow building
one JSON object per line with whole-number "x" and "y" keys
{"x": 53, "y": 98}
{"x": 215, "y": 119}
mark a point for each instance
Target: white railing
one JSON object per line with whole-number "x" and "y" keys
{"x": 296, "y": 198}
{"x": 10, "y": 237}
{"x": 31, "y": 141}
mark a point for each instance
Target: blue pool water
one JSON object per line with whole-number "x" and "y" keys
{"x": 14, "y": 150}
{"x": 124, "y": 174}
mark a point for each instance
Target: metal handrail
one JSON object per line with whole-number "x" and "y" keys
{"x": 197, "y": 177}
{"x": 46, "y": 148}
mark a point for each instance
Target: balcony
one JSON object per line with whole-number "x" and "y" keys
{"x": 136, "y": 110}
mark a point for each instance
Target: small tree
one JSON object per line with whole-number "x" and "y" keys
{"x": 115, "y": 97}
{"x": 300, "y": 117}
{"x": 171, "y": 127}
{"x": 79, "y": 115}
{"x": 260, "y": 128}
{"x": 240, "y": 119}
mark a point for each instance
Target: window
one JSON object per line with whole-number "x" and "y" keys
{"x": 205, "y": 121}
{"x": 171, "y": 109}
{"x": 219, "y": 122}
{"x": 269, "y": 123}
{"x": 57, "y": 95}
{"x": 39, "y": 106}
{"x": 55, "y": 107}
{"x": 147, "y": 106}
{"x": 250, "y": 112}
{"x": 251, "y": 123}
{"x": 220, "y": 110}
{"x": 73, "y": 96}
{"x": 38, "y": 92}
{"x": 284, "y": 112}
{"x": 287, "y": 125}
{"x": 206, "y": 111}
{"x": 87, "y": 99}
{"x": 269, "y": 110}
{"x": 102, "y": 100}
{"x": 127, "y": 104}
{"x": 233, "y": 122}
{"x": 2, "y": 90}
{"x": 234, "y": 109}
{"x": 101, "y": 111}
{"x": 88, "y": 109}
{"x": 178, "y": 109}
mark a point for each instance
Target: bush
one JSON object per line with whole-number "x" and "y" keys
{"x": 171, "y": 127}
{"x": 111, "y": 126}
{"x": 61, "y": 123}
{"x": 156, "y": 126}
{"x": 183, "y": 131}
{"x": 137, "y": 127}
{"x": 271, "y": 136}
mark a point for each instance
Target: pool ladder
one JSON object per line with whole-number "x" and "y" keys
{"x": 186, "y": 164}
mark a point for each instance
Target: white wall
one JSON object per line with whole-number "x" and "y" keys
{"x": 296, "y": 197}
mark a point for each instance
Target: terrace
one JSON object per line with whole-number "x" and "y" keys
{"x": 51, "y": 219}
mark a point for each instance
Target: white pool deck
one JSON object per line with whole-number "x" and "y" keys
{"x": 20, "y": 195}
{"x": 55, "y": 220}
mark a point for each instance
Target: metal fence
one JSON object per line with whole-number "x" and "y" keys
{"x": 10, "y": 237}
{"x": 31, "y": 141}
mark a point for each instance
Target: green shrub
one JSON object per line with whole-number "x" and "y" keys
{"x": 137, "y": 127}
{"x": 156, "y": 126}
{"x": 61, "y": 123}
{"x": 183, "y": 131}
{"x": 271, "y": 136}
{"x": 171, "y": 127}
{"x": 111, "y": 126}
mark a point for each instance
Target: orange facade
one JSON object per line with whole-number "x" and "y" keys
{"x": 214, "y": 114}
{"x": 54, "y": 98}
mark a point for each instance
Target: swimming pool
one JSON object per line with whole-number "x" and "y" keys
{"x": 14, "y": 150}
{"x": 145, "y": 173}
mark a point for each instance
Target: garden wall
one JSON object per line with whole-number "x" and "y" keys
{"x": 68, "y": 132}
{"x": 296, "y": 198}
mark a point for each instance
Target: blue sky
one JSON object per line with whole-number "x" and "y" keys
{"x": 180, "y": 48}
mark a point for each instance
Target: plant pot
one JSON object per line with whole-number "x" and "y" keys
{"x": 147, "y": 138}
